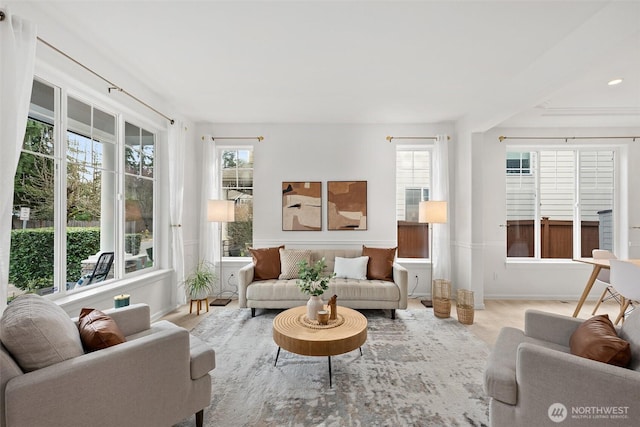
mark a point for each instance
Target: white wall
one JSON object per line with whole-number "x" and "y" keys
{"x": 549, "y": 279}
{"x": 325, "y": 152}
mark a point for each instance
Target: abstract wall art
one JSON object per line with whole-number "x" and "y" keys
{"x": 347, "y": 205}
{"x": 302, "y": 206}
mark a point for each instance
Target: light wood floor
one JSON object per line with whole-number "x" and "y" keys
{"x": 486, "y": 325}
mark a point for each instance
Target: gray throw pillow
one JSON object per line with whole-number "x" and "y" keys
{"x": 38, "y": 333}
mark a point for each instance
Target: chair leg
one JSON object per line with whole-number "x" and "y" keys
{"x": 253, "y": 312}
{"x": 604, "y": 293}
{"x": 200, "y": 418}
{"x": 623, "y": 308}
{"x": 393, "y": 314}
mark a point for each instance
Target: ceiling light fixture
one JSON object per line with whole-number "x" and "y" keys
{"x": 614, "y": 82}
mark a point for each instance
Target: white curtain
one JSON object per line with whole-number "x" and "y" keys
{"x": 17, "y": 59}
{"x": 441, "y": 260}
{"x": 177, "y": 141}
{"x": 209, "y": 238}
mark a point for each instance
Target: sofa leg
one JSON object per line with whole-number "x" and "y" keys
{"x": 253, "y": 312}
{"x": 199, "y": 418}
{"x": 393, "y": 313}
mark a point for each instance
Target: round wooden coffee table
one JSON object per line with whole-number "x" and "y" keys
{"x": 294, "y": 333}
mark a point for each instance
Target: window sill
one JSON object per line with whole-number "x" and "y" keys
{"x": 115, "y": 287}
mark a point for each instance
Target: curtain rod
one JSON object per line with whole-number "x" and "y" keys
{"x": 113, "y": 85}
{"x": 566, "y": 138}
{"x": 259, "y": 138}
{"x": 391, "y": 138}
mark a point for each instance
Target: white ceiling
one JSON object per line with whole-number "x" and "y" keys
{"x": 369, "y": 61}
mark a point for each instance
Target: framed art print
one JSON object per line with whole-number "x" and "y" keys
{"x": 302, "y": 206}
{"x": 347, "y": 205}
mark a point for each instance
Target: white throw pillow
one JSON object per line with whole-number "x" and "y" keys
{"x": 351, "y": 268}
{"x": 38, "y": 333}
{"x": 289, "y": 259}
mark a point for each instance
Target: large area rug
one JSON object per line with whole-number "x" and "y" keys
{"x": 417, "y": 370}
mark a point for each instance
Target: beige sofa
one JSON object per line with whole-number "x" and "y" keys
{"x": 158, "y": 377}
{"x": 352, "y": 293}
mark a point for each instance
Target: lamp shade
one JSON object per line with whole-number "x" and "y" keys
{"x": 432, "y": 212}
{"x": 221, "y": 210}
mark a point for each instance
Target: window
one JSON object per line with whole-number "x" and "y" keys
{"x": 560, "y": 208}
{"x": 518, "y": 163}
{"x": 413, "y": 178}
{"x": 138, "y": 196}
{"x": 66, "y": 189}
{"x": 237, "y": 185}
{"x": 31, "y": 259}
{"x": 91, "y": 189}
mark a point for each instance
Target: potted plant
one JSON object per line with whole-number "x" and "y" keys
{"x": 200, "y": 282}
{"x": 313, "y": 281}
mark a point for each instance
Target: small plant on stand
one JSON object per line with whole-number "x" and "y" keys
{"x": 200, "y": 282}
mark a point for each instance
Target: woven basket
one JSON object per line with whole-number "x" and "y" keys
{"x": 442, "y": 307}
{"x": 441, "y": 298}
{"x": 464, "y": 307}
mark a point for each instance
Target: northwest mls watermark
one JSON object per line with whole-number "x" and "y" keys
{"x": 557, "y": 413}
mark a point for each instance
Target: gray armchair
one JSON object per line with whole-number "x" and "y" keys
{"x": 533, "y": 380}
{"x": 158, "y": 377}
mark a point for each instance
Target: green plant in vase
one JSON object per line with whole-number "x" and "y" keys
{"x": 313, "y": 281}
{"x": 201, "y": 281}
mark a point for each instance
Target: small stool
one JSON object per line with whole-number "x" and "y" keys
{"x": 198, "y": 301}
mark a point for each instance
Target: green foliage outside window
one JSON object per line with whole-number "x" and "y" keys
{"x": 31, "y": 255}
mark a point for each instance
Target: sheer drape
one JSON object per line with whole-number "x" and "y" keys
{"x": 177, "y": 141}
{"x": 209, "y": 238}
{"x": 17, "y": 59}
{"x": 441, "y": 232}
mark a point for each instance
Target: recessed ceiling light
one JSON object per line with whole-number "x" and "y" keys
{"x": 614, "y": 82}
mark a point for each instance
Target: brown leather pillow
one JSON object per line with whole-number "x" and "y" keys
{"x": 98, "y": 330}
{"x": 596, "y": 339}
{"x": 266, "y": 263}
{"x": 380, "y": 264}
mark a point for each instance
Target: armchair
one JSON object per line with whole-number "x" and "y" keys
{"x": 534, "y": 380}
{"x": 158, "y": 377}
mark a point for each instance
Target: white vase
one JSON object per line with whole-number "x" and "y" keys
{"x": 314, "y": 305}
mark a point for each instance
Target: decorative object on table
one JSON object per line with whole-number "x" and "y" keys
{"x": 323, "y": 317}
{"x": 313, "y": 281}
{"x": 220, "y": 211}
{"x": 333, "y": 306}
{"x": 441, "y": 298}
{"x": 432, "y": 212}
{"x": 121, "y": 300}
{"x": 200, "y": 282}
{"x": 302, "y": 206}
{"x": 464, "y": 306}
{"x": 347, "y": 205}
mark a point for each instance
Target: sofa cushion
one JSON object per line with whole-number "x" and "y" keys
{"x": 380, "y": 262}
{"x": 98, "y": 330}
{"x": 346, "y": 289}
{"x": 596, "y": 339}
{"x": 289, "y": 259}
{"x": 38, "y": 333}
{"x": 351, "y": 268}
{"x": 266, "y": 263}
